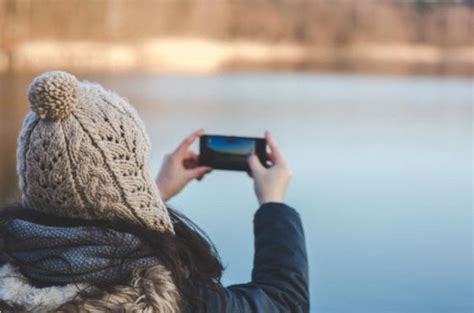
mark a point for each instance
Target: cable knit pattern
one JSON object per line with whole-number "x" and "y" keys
{"x": 84, "y": 153}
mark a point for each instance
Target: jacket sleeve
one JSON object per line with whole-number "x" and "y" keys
{"x": 280, "y": 275}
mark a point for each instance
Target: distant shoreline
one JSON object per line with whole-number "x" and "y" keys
{"x": 202, "y": 56}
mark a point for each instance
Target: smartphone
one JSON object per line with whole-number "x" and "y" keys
{"x": 231, "y": 152}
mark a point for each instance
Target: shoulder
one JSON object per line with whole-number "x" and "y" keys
{"x": 149, "y": 289}
{"x": 17, "y": 292}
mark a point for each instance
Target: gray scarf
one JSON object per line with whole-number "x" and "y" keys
{"x": 54, "y": 255}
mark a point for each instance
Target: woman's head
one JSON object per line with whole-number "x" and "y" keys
{"x": 83, "y": 153}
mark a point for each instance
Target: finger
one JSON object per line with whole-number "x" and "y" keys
{"x": 203, "y": 175}
{"x": 189, "y": 154}
{"x": 190, "y": 164}
{"x": 269, "y": 163}
{"x": 190, "y": 160}
{"x": 255, "y": 165}
{"x": 276, "y": 154}
{"x": 188, "y": 141}
{"x": 249, "y": 173}
{"x": 271, "y": 157}
{"x": 197, "y": 172}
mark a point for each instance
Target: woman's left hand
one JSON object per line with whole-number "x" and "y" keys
{"x": 180, "y": 167}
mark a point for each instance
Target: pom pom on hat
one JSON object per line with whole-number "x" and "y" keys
{"x": 53, "y": 95}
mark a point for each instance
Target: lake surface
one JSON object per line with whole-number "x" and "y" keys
{"x": 382, "y": 176}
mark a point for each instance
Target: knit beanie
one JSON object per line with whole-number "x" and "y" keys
{"x": 83, "y": 153}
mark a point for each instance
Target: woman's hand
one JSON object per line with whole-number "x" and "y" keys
{"x": 179, "y": 168}
{"x": 270, "y": 183}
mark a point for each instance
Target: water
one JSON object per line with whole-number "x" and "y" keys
{"x": 382, "y": 176}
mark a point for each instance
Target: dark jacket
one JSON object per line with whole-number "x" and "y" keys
{"x": 279, "y": 278}
{"x": 280, "y": 274}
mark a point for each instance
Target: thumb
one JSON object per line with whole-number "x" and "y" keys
{"x": 198, "y": 172}
{"x": 254, "y": 164}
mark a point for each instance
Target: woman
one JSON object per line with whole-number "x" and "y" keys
{"x": 92, "y": 233}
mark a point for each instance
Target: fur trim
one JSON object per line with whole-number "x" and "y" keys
{"x": 16, "y": 291}
{"x": 150, "y": 290}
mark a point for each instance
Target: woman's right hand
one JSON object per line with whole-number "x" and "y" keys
{"x": 270, "y": 183}
{"x": 180, "y": 167}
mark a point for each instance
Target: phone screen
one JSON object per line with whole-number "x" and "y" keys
{"x": 231, "y": 147}
{"x": 228, "y": 152}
